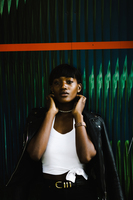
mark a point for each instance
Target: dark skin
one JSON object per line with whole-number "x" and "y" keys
{"x": 65, "y": 90}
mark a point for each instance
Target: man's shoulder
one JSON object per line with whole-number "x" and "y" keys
{"x": 36, "y": 113}
{"x": 91, "y": 115}
{"x": 93, "y": 118}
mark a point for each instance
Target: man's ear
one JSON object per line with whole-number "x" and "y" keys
{"x": 79, "y": 87}
{"x": 51, "y": 88}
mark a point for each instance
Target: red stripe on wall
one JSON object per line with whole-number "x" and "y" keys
{"x": 102, "y": 45}
{"x": 66, "y": 46}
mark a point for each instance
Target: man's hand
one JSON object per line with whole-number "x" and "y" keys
{"x": 51, "y": 104}
{"x": 79, "y": 106}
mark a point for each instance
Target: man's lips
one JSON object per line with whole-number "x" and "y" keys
{"x": 64, "y": 94}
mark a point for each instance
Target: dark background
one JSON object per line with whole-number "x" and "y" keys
{"x": 107, "y": 74}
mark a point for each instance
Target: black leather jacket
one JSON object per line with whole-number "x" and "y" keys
{"x": 101, "y": 169}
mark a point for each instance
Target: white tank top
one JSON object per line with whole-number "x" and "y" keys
{"x": 60, "y": 155}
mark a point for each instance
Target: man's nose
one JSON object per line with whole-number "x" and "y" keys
{"x": 63, "y": 85}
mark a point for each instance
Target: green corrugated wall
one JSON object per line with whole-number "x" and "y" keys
{"x": 107, "y": 74}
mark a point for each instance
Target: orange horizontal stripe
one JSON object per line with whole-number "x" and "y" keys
{"x": 66, "y": 46}
{"x": 35, "y": 47}
{"x": 102, "y": 45}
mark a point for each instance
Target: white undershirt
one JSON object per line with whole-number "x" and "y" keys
{"x": 61, "y": 156}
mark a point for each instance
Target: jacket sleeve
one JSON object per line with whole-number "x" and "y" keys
{"x": 27, "y": 170}
{"x": 103, "y": 163}
{"x": 112, "y": 180}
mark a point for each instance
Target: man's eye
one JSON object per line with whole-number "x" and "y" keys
{"x": 69, "y": 82}
{"x": 56, "y": 82}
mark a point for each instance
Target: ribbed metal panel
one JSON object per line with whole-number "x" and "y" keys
{"x": 107, "y": 74}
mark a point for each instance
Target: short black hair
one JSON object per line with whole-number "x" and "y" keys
{"x": 66, "y": 71}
